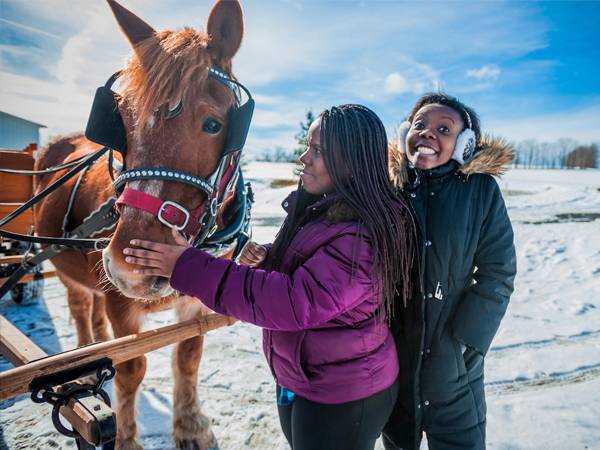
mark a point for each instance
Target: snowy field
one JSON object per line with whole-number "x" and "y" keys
{"x": 542, "y": 374}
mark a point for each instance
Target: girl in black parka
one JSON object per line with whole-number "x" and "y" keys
{"x": 466, "y": 270}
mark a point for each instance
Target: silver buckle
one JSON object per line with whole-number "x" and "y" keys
{"x": 177, "y": 206}
{"x": 213, "y": 207}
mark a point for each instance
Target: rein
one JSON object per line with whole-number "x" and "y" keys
{"x": 67, "y": 242}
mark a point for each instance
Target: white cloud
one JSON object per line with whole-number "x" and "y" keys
{"x": 395, "y": 83}
{"x": 62, "y": 109}
{"x": 274, "y": 118}
{"x": 30, "y": 29}
{"x": 488, "y": 72}
{"x": 581, "y": 125}
{"x": 406, "y": 76}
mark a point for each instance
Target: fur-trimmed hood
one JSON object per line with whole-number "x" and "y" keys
{"x": 492, "y": 157}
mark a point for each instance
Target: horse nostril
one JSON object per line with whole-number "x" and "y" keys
{"x": 106, "y": 264}
{"x": 159, "y": 283}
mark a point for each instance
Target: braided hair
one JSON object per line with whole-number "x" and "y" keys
{"x": 355, "y": 145}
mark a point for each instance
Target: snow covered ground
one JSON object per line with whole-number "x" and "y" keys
{"x": 543, "y": 372}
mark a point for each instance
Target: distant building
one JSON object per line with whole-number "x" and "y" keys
{"x": 17, "y": 133}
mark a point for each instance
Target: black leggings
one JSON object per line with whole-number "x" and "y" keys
{"x": 354, "y": 425}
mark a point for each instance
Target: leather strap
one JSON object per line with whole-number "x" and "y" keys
{"x": 168, "y": 212}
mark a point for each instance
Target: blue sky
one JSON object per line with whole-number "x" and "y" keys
{"x": 530, "y": 69}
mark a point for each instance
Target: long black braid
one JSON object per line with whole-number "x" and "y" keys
{"x": 355, "y": 147}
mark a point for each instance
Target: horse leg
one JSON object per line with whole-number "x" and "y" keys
{"x": 191, "y": 428}
{"x": 126, "y": 317}
{"x": 99, "y": 319}
{"x": 80, "y": 302}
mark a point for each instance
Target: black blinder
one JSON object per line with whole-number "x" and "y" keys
{"x": 105, "y": 124}
{"x": 240, "y": 115}
{"x": 239, "y": 124}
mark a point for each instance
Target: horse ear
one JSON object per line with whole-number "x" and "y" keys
{"x": 132, "y": 26}
{"x": 225, "y": 28}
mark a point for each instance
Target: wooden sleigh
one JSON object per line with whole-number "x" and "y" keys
{"x": 16, "y": 190}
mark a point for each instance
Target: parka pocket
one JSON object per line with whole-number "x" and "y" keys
{"x": 299, "y": 357}
{"x": 268, "y": 350}
{"x": 286, "y": 354}
{"x": 460, "y": 360}
{"x": 451, "y": 411}
{"x": 473, "y": 363}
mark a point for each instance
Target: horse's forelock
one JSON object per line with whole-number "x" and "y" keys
{"x": 162, "y": 69}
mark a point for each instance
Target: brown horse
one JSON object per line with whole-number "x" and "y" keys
{"x": 168, "y": 71}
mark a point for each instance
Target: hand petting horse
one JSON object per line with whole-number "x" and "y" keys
{"x": 179, "y": 125}
{"x": 154, "y": 258}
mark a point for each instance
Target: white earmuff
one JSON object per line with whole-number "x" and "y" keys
{"x": 466, "y": 143}
{"x": 402, "y": 133}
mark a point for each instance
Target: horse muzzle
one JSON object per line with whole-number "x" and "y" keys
{"x": 120, "y": 274}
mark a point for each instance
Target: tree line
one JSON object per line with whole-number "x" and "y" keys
{"x": 563, "y": 153}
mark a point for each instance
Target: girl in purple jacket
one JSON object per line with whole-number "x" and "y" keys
{"x": 323, "y": 291}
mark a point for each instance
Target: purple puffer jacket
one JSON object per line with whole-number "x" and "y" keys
{"x": 321, "y": 336}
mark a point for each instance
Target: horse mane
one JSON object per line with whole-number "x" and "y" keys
{"x": 163, "y": 68}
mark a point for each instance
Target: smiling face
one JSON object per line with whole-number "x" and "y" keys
{"x": 432, "y": 136}
{"x": 314, "y": 175}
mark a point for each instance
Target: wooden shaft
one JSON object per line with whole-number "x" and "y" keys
{"x": 20, "y": 350}
{"x": 16, "y": 381}
{"x": 33, "y": 276}
{"x": 17, "y": 259}
{"x": 15, "y": 346}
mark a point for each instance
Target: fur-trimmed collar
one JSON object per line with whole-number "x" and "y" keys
{"x": 492, "y": 157}
{"x": 340, "y": 211}
{"x": 333, "y": 206}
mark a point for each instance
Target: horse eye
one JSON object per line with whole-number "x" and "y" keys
{"x": 211, "y": 126}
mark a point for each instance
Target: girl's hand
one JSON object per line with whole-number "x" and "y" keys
{"x": 155, "y": 258}
{"x": 253, "y": 254}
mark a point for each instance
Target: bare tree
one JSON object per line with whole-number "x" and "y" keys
{"x": 584, "y": 156}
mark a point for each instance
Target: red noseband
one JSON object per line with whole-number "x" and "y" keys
{"x": 167, "y": 212}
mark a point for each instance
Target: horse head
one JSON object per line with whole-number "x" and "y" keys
{"x": 177, "y": 113}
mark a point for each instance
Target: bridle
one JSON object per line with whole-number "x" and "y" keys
{"x": 105, "y": 126}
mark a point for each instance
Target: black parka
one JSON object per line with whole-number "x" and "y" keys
{"x": 465, "y": 274}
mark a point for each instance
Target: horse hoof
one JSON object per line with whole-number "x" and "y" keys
{"x": 193, "y": 432}
{"x": 128, "y": 445}
{"x": 195, "y": 444}
{"x": 205, "y": 441}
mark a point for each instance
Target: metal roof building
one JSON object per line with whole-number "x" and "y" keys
{"x": 17, "y": 133}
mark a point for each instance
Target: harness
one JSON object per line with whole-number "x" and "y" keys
{"x": 105, "y": 126}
